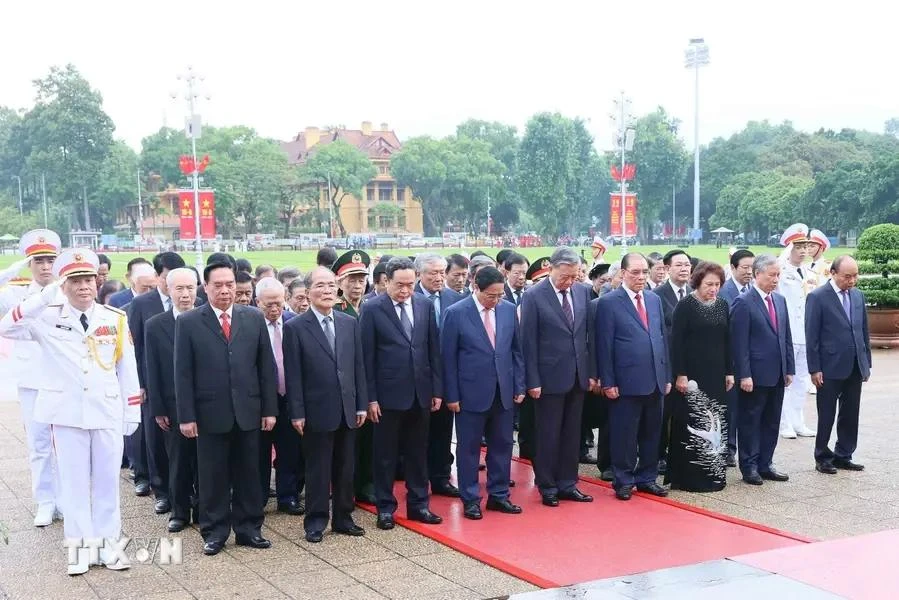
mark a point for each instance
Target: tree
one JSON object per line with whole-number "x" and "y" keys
{"x": 299, "y": 196}
{"x": 421, "y": 164}
{"x": 503, "y": 143}
{"x": 115, "y": 184}
{"x": 348, "y": 170}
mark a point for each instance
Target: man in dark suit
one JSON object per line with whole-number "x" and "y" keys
{"x": 431, "y": 271}
{"x": 401, "y": 348}
{"x": 516, "y": 268}
{"x": 557, "y": 371}
{"x": 160, "y": 381}
{"x": 738, "y": 283}
{"x": 762, "y": 349}
{"x": 326, "y": 391}
{"x": 635, "y": 372}
{"x": 289, "y": 472}
{"x": 483, "y": 372}
{"x": 139, "y": 311}
{"x": 226, "y": 390}
{"x": 838, "y": 350}
{"x": 671, "y": 291}
{"x": 120, "y": 299}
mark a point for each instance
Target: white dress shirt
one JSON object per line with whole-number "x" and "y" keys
{"x": 218, "y": 313}
{"x": 408, "y": 309}
{"x": 166, "y": 302}
{"x": 633, "y": 296}
{"x": 678, "y": 289}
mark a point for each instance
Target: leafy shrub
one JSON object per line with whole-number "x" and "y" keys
{"x": 879, "y": 243}
{"x": 878, "y": 255}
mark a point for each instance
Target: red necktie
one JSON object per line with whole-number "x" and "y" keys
{"x": 226, "y": 326}
{"x": 771, "y": 314}
{"x": 642, "y": 312}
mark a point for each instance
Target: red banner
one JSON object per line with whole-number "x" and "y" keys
{"x": 207, "y": 214}
{"x": 630, "y": 171}
{"x": 630, "y": 214}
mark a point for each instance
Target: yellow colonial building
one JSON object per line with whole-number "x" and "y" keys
{"x": 382, "y": 206}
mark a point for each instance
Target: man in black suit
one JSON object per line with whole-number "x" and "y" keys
{"x": 431, "y": 271}
{"x": 139, "y": 312}
{"x": 673, "y": 290}
{"x": 557, "y": 372}
{"x": 160, "y": 381}
{"x": 326, "y": 391}
{"x": 405, "y": 384}
{"x": 516, "y": 268}
{"x": 226, "y": 390}
{"x": 290, "y": 475}
{"x": 838, "y": 350}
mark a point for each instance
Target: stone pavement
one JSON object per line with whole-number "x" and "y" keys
{"x": 401, "y": 564}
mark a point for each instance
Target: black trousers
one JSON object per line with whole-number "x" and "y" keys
{"x": 289, "y": 471}
{"x": 634, "y": 423}
{"x": 157, "y": 457}
{"x": 847, "y": 394}
{"x": 440, "y": 440}
{"x": 329, "y": 473}
{"x": 363, "y": 476}
{"x": 596, "y": 416}
{"x": 183, "y": 479}
{"x": 733, "y": 416}
{"x": 401, "y": 433}
{"x": 665, "y": 438}
{"x": 759, "y": 414}
{"x": 230, "y": 496}
{"x": 558, "y": 420}
{"x": 527, "y": 429}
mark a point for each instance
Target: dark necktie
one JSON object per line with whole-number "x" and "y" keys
{"x": 680, "y": 294}
{"x": 329, "y": 333}
{"x": 846, "y": 305}
{"x": 435, "y": 300}
{"x": 83, "y": 320}
{"x": 799, "y": 270}
{"x": 566, "y": 308}
{"x": 404, "y": 321}
{"x": 517, "y": 294}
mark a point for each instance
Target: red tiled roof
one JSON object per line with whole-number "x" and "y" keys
{"x": 377, "y": 145}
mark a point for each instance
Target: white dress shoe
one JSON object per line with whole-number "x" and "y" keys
{"x": 81, "y": 567}
{"x": 44, "y": 515}
{"x": 787, "y": 433}
{"x": 112, "y": 561}
{"x": 804, "y": 431}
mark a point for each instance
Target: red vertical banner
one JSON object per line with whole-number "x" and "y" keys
{"x": 207, "y": 214}
{"x": 630, "y": 214}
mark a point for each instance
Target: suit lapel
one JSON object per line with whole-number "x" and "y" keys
{"x": 310, "y": 321}
{"x": 237, "y": 322}
{"x": 168, "y": 325}
{"x": 625, "y": 298}
{"x": 387, "y": 305}
{"x": 475, "y": 318}
{"x": 763, "y": 308}
{"x": 554, "y": 300}
{"x": 213, "y": 323}
{"x": 419, "y": 316}
{"x": 838, "y": 303}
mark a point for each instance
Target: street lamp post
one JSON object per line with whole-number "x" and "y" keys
{"x": 697, "y": 55}
{"x": 192, "y": 79}
{"x": 625, "y": 139}
{"x": 19, "y": 180}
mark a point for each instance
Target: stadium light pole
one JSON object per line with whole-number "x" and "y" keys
{"x": 697, "y": 56}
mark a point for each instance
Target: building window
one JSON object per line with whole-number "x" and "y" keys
{"x": 401, "y": 195}
{"x": 371, "y": 194}
{"x": 384, "y": 170}
{"x": 385, "y": 193}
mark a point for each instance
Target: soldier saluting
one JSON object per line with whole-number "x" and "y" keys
{"x": 90, "y": 402}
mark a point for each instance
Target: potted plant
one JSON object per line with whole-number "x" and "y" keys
{"x": 878, "y": 262}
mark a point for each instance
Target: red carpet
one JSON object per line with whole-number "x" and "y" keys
{"x": 574, "y": 543}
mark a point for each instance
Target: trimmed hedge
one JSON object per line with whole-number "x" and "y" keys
{"x": 879, "y": 243}
{"x": 878, "y": 254}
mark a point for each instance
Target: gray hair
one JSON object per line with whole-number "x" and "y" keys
{"x": 288, "y": 273}
{"x": 563, "y": 255}
{"x": 171, "y": 275}
{"x": 613, "y": 270}
{"x": 426, "y": 258}
{"x": 307, "y": 281}
{"x": 479, "y": 262}
{"x": 269, "y": 283}
{"x": 761, "y": 263}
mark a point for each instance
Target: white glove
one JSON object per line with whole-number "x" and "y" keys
{"x": 130, "y": 428}
{"x": 51, "y": 290}
{"x": 14, "y": 269}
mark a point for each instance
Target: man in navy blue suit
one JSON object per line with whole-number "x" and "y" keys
{"x": 739, "y": 281}
{"x": 635, "y": 374}
{"x": 838, "y": 350}
{"x": 120, "y": 299}
{"x": 558, "y": 372}
{"x": 483, "y": 373}
{"x": 762, "y": 347}
{"x": 405, "y": 384}
{"x": 431, "y": 271}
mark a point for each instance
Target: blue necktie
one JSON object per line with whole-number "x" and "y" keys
{"x": 846, "y": 305}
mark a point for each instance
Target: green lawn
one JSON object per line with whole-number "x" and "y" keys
{"x": 304, "y": 259}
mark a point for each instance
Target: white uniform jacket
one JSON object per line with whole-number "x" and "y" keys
{"x": 794, "y": 289}
{"x": 27, "y": 354}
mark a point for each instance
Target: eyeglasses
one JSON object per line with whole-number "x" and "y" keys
{"x": 637, "y": 272}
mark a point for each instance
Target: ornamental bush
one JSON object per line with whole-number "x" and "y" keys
{"x": 878, "y": 255}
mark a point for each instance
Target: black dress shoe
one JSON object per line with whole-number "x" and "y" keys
{"x": 607, "y": 475}
{"x": 774, "y": 475}
{"x": 162, "y": 506}
{"x": 213, "y": 547}
{"x": 503, "y": 505}
{"x": 482, "y": 467}
{"x": 445, "y": 488}
{"x": 730, "y": 461}
{"x": 586, "y": 459}
{"x": 176, "y": 525}
{"x": 472, "y": 511}
{"x": 652, "y": 488}
{"x": 753, "y": 479}
{"x": 385, "y": 521}
{"x": 425, "y": 516}
{"x": 511, "y": 483}
{"x": 141, "y": 488}
{"x": 826, "y": 468}
{"x": 847, "y": 465}
{"x": 575, "y": 495}
{"x": 256, "y": 541}
{"x": 292, "y": 507}
{"x": 663, "y": 466}
{"x": 314, "y": 537}
{"x": 624, "y": 492}
{"x": 351, "y": 529}
{"x": 550, "y": 500}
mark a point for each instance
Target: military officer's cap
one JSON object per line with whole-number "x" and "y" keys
{"x": 598, "y": 243}
{"x": 350, "y": 263}
{"x": 817, "y": 236}
{"x": 539, "y": 269}
{"x": 797, "y": 232}
{"x": 40, "y": 242}
{"x": 599, "y": 270}
{"x": 75, "y": 262}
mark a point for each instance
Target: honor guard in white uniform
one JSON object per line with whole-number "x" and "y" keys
{"x": 796, "y": 281}
{"x": 820, "y": 266}
{"x": 599, "y": 250}
{"x": 89, "y": 394}
{"x": 40, "y": 248}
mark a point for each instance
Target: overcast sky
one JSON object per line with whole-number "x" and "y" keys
{"x": 425, "y": 66}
